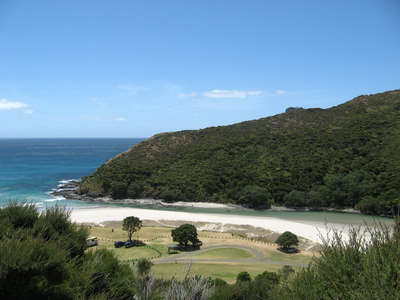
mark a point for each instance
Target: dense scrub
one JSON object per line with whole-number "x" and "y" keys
{"x": 42, "y": 256}
{"x": 344, "y": 156}
{"x": 365, "y": 267}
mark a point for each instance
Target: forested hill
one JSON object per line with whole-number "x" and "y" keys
{"x": 344, "y": 156}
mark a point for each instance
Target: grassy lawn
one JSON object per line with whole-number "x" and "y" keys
{"x": 225, "y": 253}
{"x": 116, "y": 233}
{"x": 227, "y": 272}
{"x": 296, "y": 258}
{"x": 157, "y": 238}
{"x": 163, "y": 249}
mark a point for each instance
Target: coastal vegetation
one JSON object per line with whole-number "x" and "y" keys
{"x": 44, "y": 255}
{"x": 342, "y": 157}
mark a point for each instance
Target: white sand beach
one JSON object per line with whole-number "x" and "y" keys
{"x": 98, "y": 215}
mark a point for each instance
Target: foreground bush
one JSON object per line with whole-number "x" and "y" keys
{"x": 191, "y": 288}
{"x": 42, "y": 256}
{"x": 365, "y": 267}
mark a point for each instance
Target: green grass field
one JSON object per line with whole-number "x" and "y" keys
{"x": 296, "y": 258}
{"x": 227, "y": 272}
{"x": 157, "y": 238}
{"x": 225, "y": 253}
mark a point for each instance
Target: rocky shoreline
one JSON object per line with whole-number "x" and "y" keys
{"x": 68, "y": 190}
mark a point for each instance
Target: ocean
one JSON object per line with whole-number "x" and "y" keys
{"x": 31, "y": 168}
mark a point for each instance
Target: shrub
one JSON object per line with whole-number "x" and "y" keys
{"x": 243, "y": 277}
{"x": 41, "y": 266}
{"x": 102, "y": 274}
{"x": 193, "y": 288}
{"x": 286, "y": 240}
{"x": 19, "y": 215}
{"x": 285, "y": 271}
{"x": 366, "y": 266}
{"x": 143, "y": 266}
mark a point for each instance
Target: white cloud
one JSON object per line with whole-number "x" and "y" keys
{"x": 131, "y": 89}
{"x": 121, "y": 119}
{"x": 254, "y": 93}
{"x": 190, "y": 95}
{"x": 280, "y": 92}
{"x": 231, "y": 94}
{"x": 7, "y": 105}
{"x": 28, "y": 111}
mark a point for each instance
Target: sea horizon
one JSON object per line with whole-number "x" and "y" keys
{"x": 33, "y": 167}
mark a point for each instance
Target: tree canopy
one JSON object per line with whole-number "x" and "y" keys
{"x": 131, "y": 225}
{"x": 287, "y": 240}
{"x": 184, "y": 234}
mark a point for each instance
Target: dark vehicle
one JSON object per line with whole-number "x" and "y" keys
{"x": 129, "y": 244}
{"x": 119, "y": 244}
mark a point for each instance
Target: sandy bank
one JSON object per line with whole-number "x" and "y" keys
{"x": 98, "y": 215}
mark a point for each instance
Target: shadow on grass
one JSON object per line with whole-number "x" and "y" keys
{"x": 291, "y": 250}
{"x": 189, "y": 248}
{"x": 134, "y": 243}
{"x": 181, "y": 248}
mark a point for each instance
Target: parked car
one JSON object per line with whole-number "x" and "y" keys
{"x": 129, "y": 244}
{"x": 119, "y": 244}
{"x": 92, "y": 241}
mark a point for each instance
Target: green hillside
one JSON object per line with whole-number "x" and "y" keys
{"x": 344, "y": 156}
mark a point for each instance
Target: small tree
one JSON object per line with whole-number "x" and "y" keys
{"x": 184, "y": 234}
{"x": 286, "y": 240}
{"x": 131, "y": 225}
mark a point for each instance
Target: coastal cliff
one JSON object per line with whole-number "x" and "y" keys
{"x": 344, "y": 156}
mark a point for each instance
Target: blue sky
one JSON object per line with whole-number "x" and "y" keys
{"x": 136, "y": 68}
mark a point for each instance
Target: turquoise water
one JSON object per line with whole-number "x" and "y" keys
{"x": 31, "y": 168}
{"x": 306, "y": 217}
